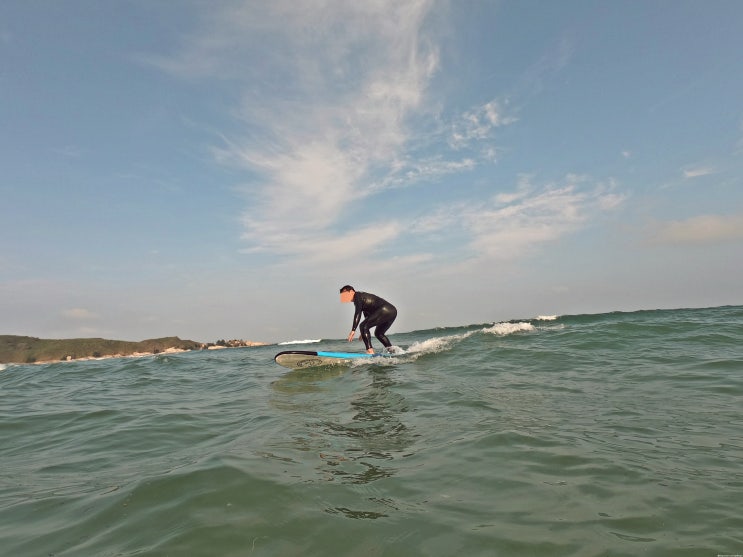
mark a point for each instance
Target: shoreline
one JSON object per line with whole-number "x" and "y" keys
{"x": 70, "y": 359}
{"x": 15, "y": 349}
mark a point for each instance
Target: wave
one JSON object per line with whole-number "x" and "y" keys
{"x": 306, "y": 341}
{"x": 440, "y": 344}
{"x": 509, "y": 328}
{"x": 436, "y": 344}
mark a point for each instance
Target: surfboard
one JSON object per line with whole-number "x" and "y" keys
{"x": 301, "y": 359}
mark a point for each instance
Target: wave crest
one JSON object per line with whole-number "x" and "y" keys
{"x": 503, "y": 329}
{"x": 306, "y": 341}
{"x": 436, "y": 344}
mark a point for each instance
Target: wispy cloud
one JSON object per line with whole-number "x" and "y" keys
{"x": 698, "y": 171}
{"x": 412, "y": 170}
{"x": 79, "y": 314}
{"x": 512, "y": 225}
{"x": 329, "y": 95}
{"x": 338, "y": 118}
{"x": 698, "y": 230}
{"x": 330, "y": 111}
{"x": 478, "y": 124}
{"x": 318, "y": 247}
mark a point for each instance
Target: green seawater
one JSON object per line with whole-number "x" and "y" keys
{"x": 618, "y": 434}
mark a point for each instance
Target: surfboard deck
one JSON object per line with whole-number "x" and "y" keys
{"x": 301, "y": 359}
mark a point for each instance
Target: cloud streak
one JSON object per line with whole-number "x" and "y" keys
{"x": 342, "y": 115}
{"x": 477, "y": 124}
{"x": 698, "y": 171}
{"x": 79, "y": 314}
{"x": 352, "y": 73}
{"x": 698, "y": 230}
{"x": 512, "y": 225}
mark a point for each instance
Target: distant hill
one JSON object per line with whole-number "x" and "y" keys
{"x": 28, "y": 350}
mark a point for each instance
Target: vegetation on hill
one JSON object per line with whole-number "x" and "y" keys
{"x": 28, "y": 350}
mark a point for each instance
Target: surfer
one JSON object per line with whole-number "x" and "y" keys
{"x": 377, "y": 312}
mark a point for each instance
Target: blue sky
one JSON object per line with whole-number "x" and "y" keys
{"x": 219, "y": 169}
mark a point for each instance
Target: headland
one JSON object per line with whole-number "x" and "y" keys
{"x": 31, "y": 350}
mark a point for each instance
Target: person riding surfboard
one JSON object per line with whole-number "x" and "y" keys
{"x": 378, "y": 313}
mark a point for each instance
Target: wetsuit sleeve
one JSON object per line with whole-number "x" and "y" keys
{"x": 357, "y": 315}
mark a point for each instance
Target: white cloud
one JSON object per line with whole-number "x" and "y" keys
{"x": 329, "y": 93}
{"x": 332, "y": 92}
{"x": 508, "y": 231}
{"x": 304, "y": 189}
{"x": 699, "y": 230}
{"x": 523, "y": 188}
{"x": 318, "y": 247}
{"x": 412, "y": 171}
{"x": 437, "y": 220}
{"x": 512, "y": 225}
{"x": 696, "y": 172}
{"x": 478, "y": 124}
{"x": 79, "y": 314}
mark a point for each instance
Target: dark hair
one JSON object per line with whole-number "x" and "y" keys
{"x": 347, "y": 288}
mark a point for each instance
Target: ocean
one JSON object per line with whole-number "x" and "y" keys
{"x": 619, "y": 434}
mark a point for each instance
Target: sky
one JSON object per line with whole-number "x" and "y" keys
{"x": 219, "y": 169}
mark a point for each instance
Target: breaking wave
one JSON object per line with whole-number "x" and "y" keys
{"x": 306, "y": 341}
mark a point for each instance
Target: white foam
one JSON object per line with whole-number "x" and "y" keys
{"x": 436, "y": 344}
{"x": 3, "y": 367}
{"x": 306, "y": 341}
{"x": 503, "y": 329}
{"x": 440, "y": 344}
{"x": 546, "y": 317}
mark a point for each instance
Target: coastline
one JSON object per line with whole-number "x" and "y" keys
{"x": 19, "y": 350}
{"x": 5, "y": 365}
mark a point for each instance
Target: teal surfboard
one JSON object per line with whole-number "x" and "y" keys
{"x": 301, "y": 359}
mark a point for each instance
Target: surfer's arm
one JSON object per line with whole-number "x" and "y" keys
{"x": 356, "y": 316}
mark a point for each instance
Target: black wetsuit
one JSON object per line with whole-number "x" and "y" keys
{"x": 378, "y": 313}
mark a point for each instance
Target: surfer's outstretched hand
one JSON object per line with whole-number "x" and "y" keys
{"x": 350, "y": 335}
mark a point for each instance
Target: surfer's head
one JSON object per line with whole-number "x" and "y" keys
{"x": 347, "y": 293}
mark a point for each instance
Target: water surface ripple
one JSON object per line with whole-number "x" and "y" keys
{"x": 593, "y": 435}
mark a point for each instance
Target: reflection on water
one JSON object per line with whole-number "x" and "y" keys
{"x": 356, "y": 514}
{"x": 306, "y": 380}
{"x": 357, "y": 441}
